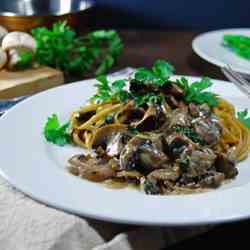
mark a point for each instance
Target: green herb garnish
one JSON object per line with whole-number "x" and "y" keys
{"x": 150, "y": 97}
{"x": 243, "y": 118}
{"x": 191, "y": 134}
{"x": 239, "y": 44}
{"x": 107, "y": 92}
{"x": 56, "y": 133}
{"x": 61, "y": 48}
{"x": 158, "y": 75}
{"x": 195, "y": 92}
{"x": 149, "y": 83}
{"x": 25, "y": 60}
{"x": 109, "y": 119}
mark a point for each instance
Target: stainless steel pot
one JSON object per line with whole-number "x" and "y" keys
{"x": 27, "y": 14}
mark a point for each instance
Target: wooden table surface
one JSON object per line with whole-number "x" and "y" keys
{"x": 141, "y": 49}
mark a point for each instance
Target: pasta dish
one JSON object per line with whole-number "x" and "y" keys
{"x": 163, "y": 136}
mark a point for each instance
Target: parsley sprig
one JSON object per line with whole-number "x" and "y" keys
{"x": 158, "y": 75}
{"x": 196, "y": 93}
{"x": 154, "y": 78}
{"x": 108, "y": 92}
{"x": 56, "y": 133}
{"x": 244, "y": 118}
{"x": 61, "y": 48}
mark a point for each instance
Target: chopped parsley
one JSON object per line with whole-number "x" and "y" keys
{"x": 109, "y": 119}
{"x": 191, "y": 134}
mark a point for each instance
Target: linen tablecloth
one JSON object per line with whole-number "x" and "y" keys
{"x": 26, "y": 224}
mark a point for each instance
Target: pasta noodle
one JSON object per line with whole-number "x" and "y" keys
{"x": 234, "y": 134}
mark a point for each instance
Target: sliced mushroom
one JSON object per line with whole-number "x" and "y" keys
{"x": 111, "y": 138}
{"x": 167, "y": 174}
{"x": 180, "y": 117}
{"x": 212, "y": 179}
{"x": 175, "y": 145}
{"x": 200, "y": 161}
{"x": 174, "y": 90}
{"x": 199, "y": 110}
{"x": 129, "y": 174}
{"x": 116, "y": 144}
{"x": 141, "y": 154}
{"x": 90, "y": 168}
{"x": 3, "y": 58}
{"x": 208, "y": 129}
{"x": 194, "y": 109}
{"x": 3, "y": 33}
{"x": 172, "y": 101}
{"x": 149, "y": 121}
{"x": 226, "y": 166}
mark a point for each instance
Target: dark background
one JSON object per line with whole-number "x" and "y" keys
{"x": 174, "y": 14}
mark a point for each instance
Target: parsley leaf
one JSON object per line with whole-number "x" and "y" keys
{"x": 242, "y": 117}
{"x": 240, "y": 44}
{"x": 55, "y": 133}
{"x": 117, "y": 86}
{"x": 158, "y": 75}
{"x": 195, "y": 92}
{"x": 163, "y": 69}
{"x": 145, "y": 76}
{"x": 105, "y": 92}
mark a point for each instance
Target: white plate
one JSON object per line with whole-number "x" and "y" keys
{"x": 38, "y": 169}
{"x": 209, "y": 47}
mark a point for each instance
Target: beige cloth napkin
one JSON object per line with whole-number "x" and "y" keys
{"x": 26, "y": 224}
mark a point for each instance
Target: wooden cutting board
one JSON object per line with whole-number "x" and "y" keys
{"x": 27, "y": 82}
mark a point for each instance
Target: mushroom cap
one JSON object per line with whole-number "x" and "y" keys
{"x": 3, "y": 32}
{"x": 3, "y": 58}
{"x": 18, "y": 39}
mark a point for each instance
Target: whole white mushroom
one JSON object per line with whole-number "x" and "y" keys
{"x": 14, "y": 43}
{"x": 3, "y": 58}
{"x": 3, "y": 33}
{"x": 18, "y": 39}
